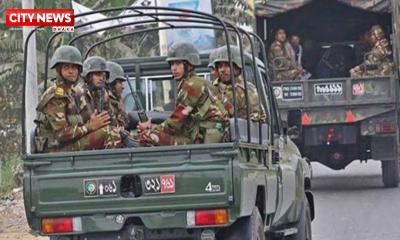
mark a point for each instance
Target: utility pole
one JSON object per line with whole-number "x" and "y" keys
{"x": 31, "y": 87}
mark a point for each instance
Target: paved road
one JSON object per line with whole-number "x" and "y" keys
{"x": 353, "y": 205}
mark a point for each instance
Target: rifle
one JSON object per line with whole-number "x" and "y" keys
{"x": 101, "y": 99}
{"x": 101, "y": 93}
{"x": 141, "y": 111}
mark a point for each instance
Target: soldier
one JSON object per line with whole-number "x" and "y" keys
{"x": 211, "y": 65}
{"x": 379, "y": 61}
{"x": 115, "y": 82}
{"x": 223, "y": 84}
{"x": 297, "y": 48}
{"x": 282, "y": 62}
{"x": 97, "y": 98}
{"x": 199, "y": 116}
{"x": 60, "y": 126}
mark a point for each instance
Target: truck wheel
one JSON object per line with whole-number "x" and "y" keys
{"x": 249, "y": 228}
{"x": 304, "y": 225}
{"x": 390, "y": 173}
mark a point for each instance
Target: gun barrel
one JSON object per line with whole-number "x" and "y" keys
{"x": 101, "y": 99}
{"x": 141, "y": 111}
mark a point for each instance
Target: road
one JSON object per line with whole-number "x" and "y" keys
{"x": 352, "y": 204}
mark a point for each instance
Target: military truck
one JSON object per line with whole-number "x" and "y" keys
{"x": 256, "y": 186}
{"x": 334, "y": 118}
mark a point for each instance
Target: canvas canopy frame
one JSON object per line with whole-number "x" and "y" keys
{"x": 196, "y": 20}
{"x": 271, "y": 8}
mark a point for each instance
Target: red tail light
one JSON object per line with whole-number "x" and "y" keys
{"x": 61, "y": 225}
{"x": 57, "y": 225}
{"x": 305, "y": 119}
{"x": 350, "y": 116}
{"x": 331, "y": 135}
{"x": 207, "y": 217}
{"x": 386, "y": 127}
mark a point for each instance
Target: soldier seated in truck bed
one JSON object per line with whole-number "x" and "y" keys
{"x": 199, "y": 115}
{"x": 379, "y": 61}
{"x": 60, "y": 123}
{"x": 223, "y": 84}
{"x": 335, "y": 27}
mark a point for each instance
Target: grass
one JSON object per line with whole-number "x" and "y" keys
{"x": 9, "y": 167}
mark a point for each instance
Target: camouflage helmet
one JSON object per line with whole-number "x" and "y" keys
{"x": 95, "y": 64}
{"x": 378, "y": 32}
{"x": 222, "y": 56}
{"x": 116, "y": 72}
{"x": 184, "y": 51}
{"x": 66, "y": 54}
{"x": 211, "y": 58}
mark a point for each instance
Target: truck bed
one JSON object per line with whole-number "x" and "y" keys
{"x": 137, "y": 182}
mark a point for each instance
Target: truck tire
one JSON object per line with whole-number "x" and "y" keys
{"x": 304, "y": 224}
{"x": 249, "y": 228}
{"x": 390, "y": 173}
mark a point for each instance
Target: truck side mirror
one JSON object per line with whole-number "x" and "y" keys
{"x": 294, "y": 118}
{"x": 294, "y": 125}
{"x": 285, "y": 127}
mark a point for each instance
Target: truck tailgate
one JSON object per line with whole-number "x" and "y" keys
{"x": 341, "y": 100}
{"x": 129, "y": 180}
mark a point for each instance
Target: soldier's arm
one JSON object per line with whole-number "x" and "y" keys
{"x": 257, "y": 109}
{"x": 279, "y": 58}
{"x": 55, "y": 111}
{"x": 276, "y": 52}
{"x": 123, "y": 118}
{"x": 382, "y": 51}
{"x": 187, "y": 99}
{"x": 241, "y": 102}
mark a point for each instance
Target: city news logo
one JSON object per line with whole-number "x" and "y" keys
{"x": 61, "y": 20}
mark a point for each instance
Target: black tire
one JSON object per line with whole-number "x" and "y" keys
{"x": 390, "y": 173}
{"x": 249, "y": 228}
{"x": 304, "y": 225}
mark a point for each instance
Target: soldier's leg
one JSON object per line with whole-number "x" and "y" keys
{"x": 293, "y": 74}
{"x": 161, "y": 138}
{"x": 386, "y": 69}
{"x": 103, "y": 138}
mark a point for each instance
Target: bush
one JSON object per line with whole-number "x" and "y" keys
{"x": 10, "y": 174}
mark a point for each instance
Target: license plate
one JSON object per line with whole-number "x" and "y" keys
{"x": 100, "y": 187}
{"x": 159, "y": 184}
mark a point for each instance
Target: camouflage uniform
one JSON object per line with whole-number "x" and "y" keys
{"x": 99, "y": 99}
{"x": 283, "y": 66}
{"x": 256, "y": 110}
{"x": 226, "y": 90}
{"x": 198, "y": 117}
{"x": 380, "y": 58}
{"x": 121, "y": 116}
{"x": 60, "y": 126}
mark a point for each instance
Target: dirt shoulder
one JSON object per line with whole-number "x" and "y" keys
{"x": 13, "y": 224}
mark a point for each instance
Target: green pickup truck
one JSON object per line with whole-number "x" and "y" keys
{"x": 335, "y": 118}
{"x": 257, "y": 186}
